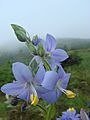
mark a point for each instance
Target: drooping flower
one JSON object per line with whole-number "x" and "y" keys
{"x": 53, "y": 55}
{"x": 56, "y": 83}
{"x": 58, "y": 55}
{"x": 83, "y": 115}
{"x": 70, "y": 114}
{"x": 25, "y": 86}
{"x": 36, "y": 41}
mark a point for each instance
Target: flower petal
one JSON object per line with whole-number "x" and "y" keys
{"x": 12, "y": 88}
{"x": 61, "y": 72}
{"x": 21, "y": 72}
{"x": 50, "y": 80}
{"x": 36, "y": 41}
{"x": 40, "y": 74}
{"x": 59, "y": 55}
{"x": 41, "y": 90}
{"x": 50, "y": 97}
{"x": 52, "y": 63}
{"x": 50, "y": 43}
{"x": 25, "y": 95}
{"x": 65, "y": 80}
{"x": 83, "y": 115}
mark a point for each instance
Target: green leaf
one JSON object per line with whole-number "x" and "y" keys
{"x": 46, "y": 65}
{"x": 20, "y": 32}
{"x": 51, "y": 111}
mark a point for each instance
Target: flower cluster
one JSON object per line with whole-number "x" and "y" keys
{"x": 71, "y": 114}
{"x": 48, "y": 81}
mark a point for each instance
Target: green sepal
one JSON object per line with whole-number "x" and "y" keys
{"x": 20, "y": 32}
{"x": 34, "y": 67}
{"x": 31, "y": 48}
{"x": 46, "y": 65}
{"x": 40, "y": 50}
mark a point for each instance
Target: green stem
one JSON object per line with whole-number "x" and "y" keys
{"x": 41, "y": 107}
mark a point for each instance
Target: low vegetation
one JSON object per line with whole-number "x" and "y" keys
{"x": 78, "y": 65}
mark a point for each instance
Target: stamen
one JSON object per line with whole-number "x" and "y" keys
{"x": 34, "y": 99}
{"x": 71, "y": 109}
{"x": 69, "y": 93}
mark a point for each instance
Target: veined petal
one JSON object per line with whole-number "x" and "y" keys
{"x": 12, "y": 88}
{"x": 25, "y": 94}
{"x": 61, "y": 72}
{"x": 50, "y": 43}
{"x": 40, "y": 90}
{"x": 40, "y": 74}
{"x": 50, "y": 96}
{"x": 50, "y": 80}
{"x": 65, "y": 80}
{"x": 21, "y": 72}
{"x": 59, "y": 55}
{"x": 52, "y": 63}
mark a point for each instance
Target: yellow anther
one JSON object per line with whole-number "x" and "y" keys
{"x": 70, "y": 94}
{"x": 34, "y": 99}
{"x": 71, "y": 109}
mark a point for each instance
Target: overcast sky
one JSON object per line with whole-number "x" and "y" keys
{"x": 61, "y": 18}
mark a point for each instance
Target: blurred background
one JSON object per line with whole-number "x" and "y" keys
{"x": 69, "y": 22}
{"x": 64, "y": 19}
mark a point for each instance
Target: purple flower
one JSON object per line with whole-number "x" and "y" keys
{"x": 25, "y": 86}
{"x": 56, "y": 83}
{"x": 70, "y": 114}
{"x": 36, "y": 41}
{"x": 83, "y": 115}
{"x": 53, "y": 55}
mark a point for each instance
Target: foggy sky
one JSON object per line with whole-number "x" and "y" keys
{"x": 61, "y": 18}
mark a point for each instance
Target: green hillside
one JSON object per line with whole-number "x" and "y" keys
{"x": 79, "y": 83}
{"x": 72, "y": 44}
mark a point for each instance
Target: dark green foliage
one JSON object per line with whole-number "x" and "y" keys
{"x": 6, "y": 62}
{"x": 74, "y": 59}
{"x": 6, "y": 73}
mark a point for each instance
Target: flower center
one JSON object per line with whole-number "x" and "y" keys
{"x": 33, "y": 97}
{"x": 68, "y": 93}
{"x": 48, "y": 55}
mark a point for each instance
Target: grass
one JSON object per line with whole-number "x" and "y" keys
{"x": 79, "y": 83}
